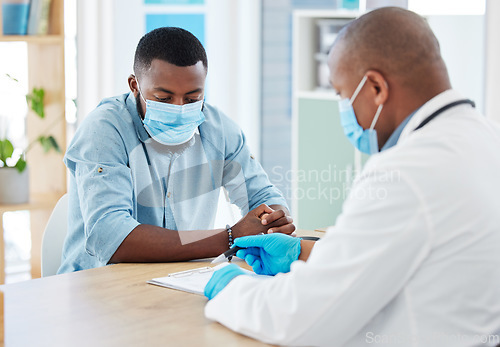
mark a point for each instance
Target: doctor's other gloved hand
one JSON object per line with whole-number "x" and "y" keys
{"x": 220, "y": 279}
{"x": 269, "y": 254}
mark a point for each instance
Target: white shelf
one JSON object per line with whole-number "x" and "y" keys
{"x": 305, "y": 46}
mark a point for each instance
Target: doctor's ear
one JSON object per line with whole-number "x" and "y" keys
{"x": 378, "y": 86}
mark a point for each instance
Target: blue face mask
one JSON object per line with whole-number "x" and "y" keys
{"x": 364, "y": 140}
{"x": 171, "y": 124}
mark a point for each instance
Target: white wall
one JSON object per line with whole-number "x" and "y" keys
{"x": 128, "y": 28}
{"x": 493, "y": 59}
{"x": 462, "y": 42}
{"x": 95, "y": 56}
{"x": 460, "y": 26}
{"x": 233, "y": 40}
{"x": 447, "y": 7}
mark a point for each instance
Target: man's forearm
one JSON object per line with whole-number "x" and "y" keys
{"x": 148, "y": 243}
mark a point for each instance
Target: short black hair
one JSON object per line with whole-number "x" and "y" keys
{"x": 171, "y": 44}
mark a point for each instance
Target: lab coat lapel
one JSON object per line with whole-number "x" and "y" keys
{"x": 427, "y": 109}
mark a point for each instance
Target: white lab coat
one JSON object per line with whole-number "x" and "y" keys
{"x": 413, "y": 259}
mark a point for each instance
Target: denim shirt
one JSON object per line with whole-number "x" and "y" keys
{"x": 120, "y": 178}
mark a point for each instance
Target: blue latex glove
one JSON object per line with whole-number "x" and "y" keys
{"x": 269, "y": 254}
{"x": 221, "y": 278}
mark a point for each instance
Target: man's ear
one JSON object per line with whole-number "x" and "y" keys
{"x": 378, "y": 87}
{"x": 132, "y": 84}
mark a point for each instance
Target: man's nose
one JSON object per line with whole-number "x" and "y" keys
{"x": 178, "y": 101}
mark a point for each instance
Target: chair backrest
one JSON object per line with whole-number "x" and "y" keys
{"x": 53, "y": 237}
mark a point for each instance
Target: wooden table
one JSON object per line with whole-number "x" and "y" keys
{"x": 112, "y": 306}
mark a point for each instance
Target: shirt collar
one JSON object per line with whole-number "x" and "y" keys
{"x": 393, "y": 139}
{"x": 142, "y": 134}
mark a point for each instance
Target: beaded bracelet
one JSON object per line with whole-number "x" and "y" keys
{"x": 230, "y": 235}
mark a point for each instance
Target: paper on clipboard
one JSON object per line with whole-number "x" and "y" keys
{"x": 191, "y": 281}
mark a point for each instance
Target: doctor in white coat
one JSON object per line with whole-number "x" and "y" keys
{"x": 413, "y": 259}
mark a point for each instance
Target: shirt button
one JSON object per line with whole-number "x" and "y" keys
{"x": 169, "y": 195}
{"x": 252, "y": 156}
{"x": 99, "y": 170}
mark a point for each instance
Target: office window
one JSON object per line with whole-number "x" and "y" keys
{"x": 195, "y": 23}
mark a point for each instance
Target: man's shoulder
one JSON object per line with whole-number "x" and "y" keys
{"x": 218, "y": 129}
{"x": 110, "y": 122}
{"x": 110, "y": 113}
{"x": 215, "y": 118}
{"x": 113, "y": 108}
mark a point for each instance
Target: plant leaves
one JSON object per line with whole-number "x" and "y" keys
{"x": 20, "y": 165}
{"x": 54, "y": 144}
{"x": 12, "y": 78}
{"x": 35, "y": 99}
{"x": 44, "y": 141}
{"x": 48, "y": 143}
{"x": 6, "y": 150}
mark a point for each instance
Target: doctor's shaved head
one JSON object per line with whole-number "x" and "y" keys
{"x": 395, "y": 42}
{"x": 398, "y": 54}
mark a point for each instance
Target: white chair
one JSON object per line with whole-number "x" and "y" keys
{"x": 53, "y": 237}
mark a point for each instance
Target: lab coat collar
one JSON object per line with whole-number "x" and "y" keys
{"x": 427, "y": 109}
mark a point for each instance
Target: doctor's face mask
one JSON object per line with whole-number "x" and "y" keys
{"x": 171, "y": 124}
{"x": 364, "y": 140}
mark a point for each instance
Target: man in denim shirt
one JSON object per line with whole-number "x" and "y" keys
{"x": 147, "y": 167}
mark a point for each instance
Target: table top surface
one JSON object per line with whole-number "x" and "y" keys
{"x": 113, "y": 306}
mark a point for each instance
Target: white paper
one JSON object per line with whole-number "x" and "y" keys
{"x": 191, "y": 281}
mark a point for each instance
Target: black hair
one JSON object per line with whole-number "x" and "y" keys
{"x": 171, "y": 44}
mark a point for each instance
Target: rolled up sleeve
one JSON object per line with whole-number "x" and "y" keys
{"x": 98, "y": 160}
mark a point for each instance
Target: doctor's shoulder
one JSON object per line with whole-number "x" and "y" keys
{"x": 411, "y": 156}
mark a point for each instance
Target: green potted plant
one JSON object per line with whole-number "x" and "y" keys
{"x": 14, "y": 178}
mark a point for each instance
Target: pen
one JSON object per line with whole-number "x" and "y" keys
{"x": 227, "y": 254}
{"x": 231, "y": 251}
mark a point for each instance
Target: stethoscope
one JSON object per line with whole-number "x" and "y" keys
{"x": 444, "y": 108}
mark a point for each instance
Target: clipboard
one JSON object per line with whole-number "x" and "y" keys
{"x": 191, "y": 281}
